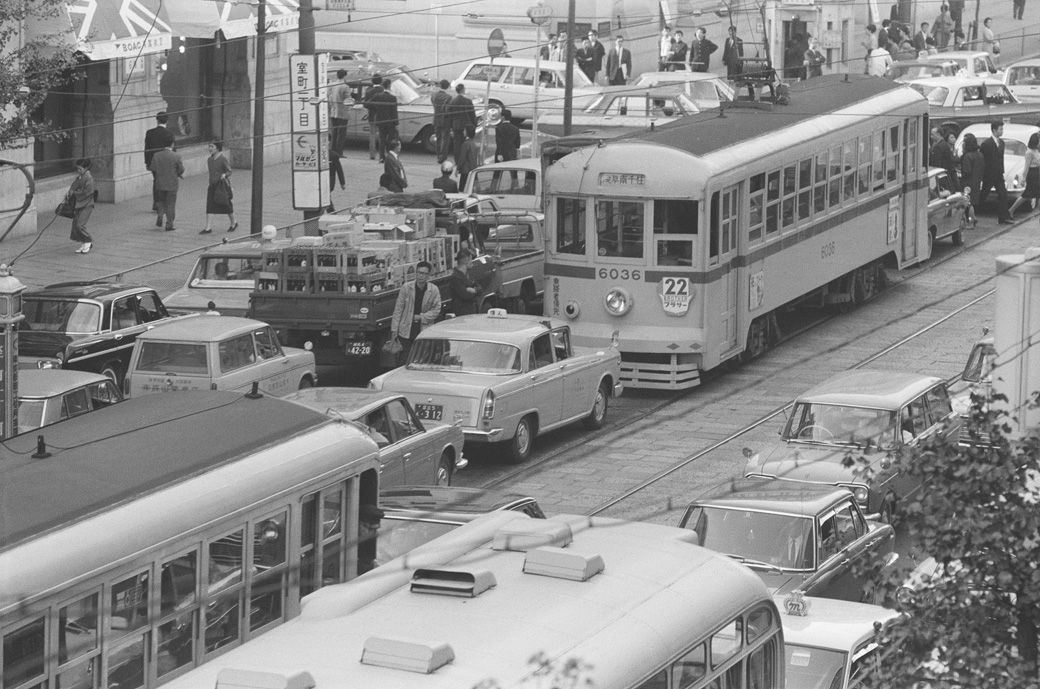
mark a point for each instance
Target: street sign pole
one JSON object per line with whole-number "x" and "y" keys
{"x": 539, "y": 15}
{"x": 496, "y": 44}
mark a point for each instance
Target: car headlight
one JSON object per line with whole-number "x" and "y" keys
{"x": 859, "y": 491}
{"x": 617, "y": 301}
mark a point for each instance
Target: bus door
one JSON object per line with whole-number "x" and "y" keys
{"x": 722, "y": 247}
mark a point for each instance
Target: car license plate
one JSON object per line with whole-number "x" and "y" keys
{"x": 429, "y": 412}
{"x": 360, "y": 348}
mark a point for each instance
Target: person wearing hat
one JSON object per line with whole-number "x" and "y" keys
{"x": 369, "y": 517}
{"x": 445, "y": 183}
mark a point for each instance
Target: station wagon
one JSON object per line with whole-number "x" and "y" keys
{"x": 48, "y": 396}
{"x": 217, "y": 353}
{"x": 505, "y": 378}
{"x": 509, "y": 84}
{"x": 873, "y": 416}
{"x": 796, "y": 536}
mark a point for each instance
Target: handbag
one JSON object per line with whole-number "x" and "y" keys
{"x": 66, "y": 209}
{"x": 390, "y": 354}
{"x": 996, "y": 48}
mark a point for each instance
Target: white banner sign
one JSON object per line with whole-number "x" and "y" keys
{"x": 309, "y": 126}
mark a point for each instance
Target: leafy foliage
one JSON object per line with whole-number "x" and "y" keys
{"x": 974, "y": 612}
{"x": 32, "y": 62}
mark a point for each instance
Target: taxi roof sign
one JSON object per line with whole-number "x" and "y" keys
{"x": 796, "y": 605}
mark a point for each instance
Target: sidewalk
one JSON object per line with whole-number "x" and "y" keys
{"x": 125, "y": 235}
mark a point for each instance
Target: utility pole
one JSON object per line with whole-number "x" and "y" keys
{"x": 568, "y": 84}
{"x": 256, "y": 210}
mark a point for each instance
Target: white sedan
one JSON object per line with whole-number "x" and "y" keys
{"x": 1015, "y": 138}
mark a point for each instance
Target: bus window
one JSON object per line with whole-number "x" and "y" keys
{"x": 619, "y": 228}
{"x": 570, "y": 226}
{"x": 759, "y": 622}
{"x": 225, "y": 561}
{"x": 690, "y": 668}
{"x": 82, "y": 674}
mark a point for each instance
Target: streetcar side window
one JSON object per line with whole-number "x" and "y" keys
{"x": 773, "y": 202}
{"x": 879, "y": 159}
{"x": 679, "y": 220}
{"x": 894, "y": 151}
{"x": 835, "y": 177}
{"x": 850, "y": 170}
{"x": 570, "y": 226}
{"x": 790, "y": 187}
{"x": 820, "y": 183}
{"x": 865, "y": 163}
{"x": 756, "y": 207}
{"x": 805, "y": 189}
{"x": 910, "y": 139}
{"x": 619, "y": 228}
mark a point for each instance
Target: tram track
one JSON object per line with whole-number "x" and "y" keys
{"x": 619, "y": 430}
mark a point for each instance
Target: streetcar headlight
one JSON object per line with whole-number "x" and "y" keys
{"x": 618, "y": 301}
{"x": 572, "y": 310}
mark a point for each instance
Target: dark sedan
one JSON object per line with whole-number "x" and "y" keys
{"x": 794, "y": 535}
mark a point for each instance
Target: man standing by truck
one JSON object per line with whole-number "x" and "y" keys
{"x": 463, "y": 292}
{"x": 418, "y": 306}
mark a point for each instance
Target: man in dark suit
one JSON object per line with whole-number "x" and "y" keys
{"x": 677, "y": 60}
{"x": 507, "y": 139}
{"x": 732, "y": 51}
{"x": 168, "y": 170}
{"x": 383, "y": 113}
{"x": 393, "y": 169}
{"x": 700, "y": 51}
{"x": 373, "y": 132}
{"x": 463, "y": 115}
{"x": 442, "y": 119}
{"x": 921, "y": 38}
{"x": 619, "y": 63}
{"x": 156, "y": 139}
{"x": 598, "y": 53}
{"x": 585, "y": 57}
{"x": 993, "y": 174}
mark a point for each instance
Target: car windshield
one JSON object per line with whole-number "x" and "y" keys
{"x": 399, "y": 536}
{"x": 841, "y": 425}
{"x": 62, "y": 316}
{"x": 936, "y": 95}
{"x": 403, "y": 91}
{"x": 172, "y": 357}
{"x": 898, "y": 71}
{"x": 783, "y": 541}
{"x": 464, "y": 355}
{"x": 30, "y": 414}
{"x": 224, "y": 269}
{"x": 813, "y": 668}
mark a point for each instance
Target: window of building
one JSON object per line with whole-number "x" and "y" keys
{"x": 619, "y": 228}
{"x": 570, "y": 226}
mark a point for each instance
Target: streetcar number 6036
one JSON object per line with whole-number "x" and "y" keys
{"x": 619, "y": 274}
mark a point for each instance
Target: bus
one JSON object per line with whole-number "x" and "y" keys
{"x": 685, "y": 244}
{"x": 507, "y": 601}
{"x": 140, "y": 540}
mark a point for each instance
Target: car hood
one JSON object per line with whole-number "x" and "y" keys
{"x": 814, "y": 463}
{"x": 42, "y": 343}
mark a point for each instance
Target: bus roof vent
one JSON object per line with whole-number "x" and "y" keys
{"x": 400, "y": 654}
{"x": 233, "y": 678}
{"x": 452, "y": 582}
{"x": 527, "y": 534}
{"x": 562, "y": 564}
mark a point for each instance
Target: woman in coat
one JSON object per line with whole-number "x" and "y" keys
{"x": 973, "y": 166}
{"x": 1032, "y": 167}
{"x": 218, "y": 194}
{"x": 81, "y": 195}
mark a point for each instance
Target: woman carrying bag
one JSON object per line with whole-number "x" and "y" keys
{"x": 80, "y": 200}
{"x": 219, "y": 194}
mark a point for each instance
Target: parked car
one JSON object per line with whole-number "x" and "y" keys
{"x": 796, "y": 536}
{"x": 976, "y": 377}
{"x": 224, "y": 275}
{"x": 620, "y": 109}
{"x": 909, "y": 70}
{"x": 1023, "y": 79}
{"x": 515, "y": 185}
{"x": 414, "y": 515}
{"x": 505, "y": 378}
{"x": 509, "y": 84}
{"x": 87, "y": 326}
{"x": 970, "y": 63}
{"x": 830, "y": 644}
{"x": 217, "y": 353}
{"x": 946, "y": 206}
{"x": 49, "y": 396}
{"x": 1015, "y": 138}
{"x": 863, "y": 414}
{"x": 705, "y": 89}
{"x": 410, "y": 450}
{"x": 956, "y": 102}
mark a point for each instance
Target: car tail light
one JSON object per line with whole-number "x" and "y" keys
{"x": 487, "y": 412}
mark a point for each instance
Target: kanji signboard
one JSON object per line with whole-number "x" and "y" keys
{"x": 309, "y": 126}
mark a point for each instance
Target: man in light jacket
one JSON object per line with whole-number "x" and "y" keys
{"x": 418, "y": 306}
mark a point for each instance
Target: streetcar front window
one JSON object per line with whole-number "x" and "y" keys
{"x": 673, "y": 217}
{"x": 619, "y": 228}
{"x": 570, "y": 226}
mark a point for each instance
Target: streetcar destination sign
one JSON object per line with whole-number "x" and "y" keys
{"x": 622, "y": 179}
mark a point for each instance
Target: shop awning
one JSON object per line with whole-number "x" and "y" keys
{"x": 110, "y": 29}
{"x": 239, "y": 19}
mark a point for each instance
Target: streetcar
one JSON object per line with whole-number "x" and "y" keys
{"x": 685, "y": 244}
{"x": 509, "y": 601}
{"x": 143, "y": 539}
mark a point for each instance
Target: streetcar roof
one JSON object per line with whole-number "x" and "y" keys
{"x": 121, "y": 452}
{"x": 874, "y": 389}
{"x": 657, "y": 592}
